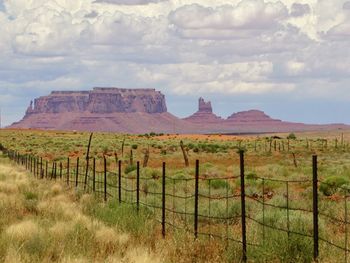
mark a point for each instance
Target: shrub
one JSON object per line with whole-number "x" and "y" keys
{"x": 134, "y": 146}
{"x": 291, "y": 136}
{"x": 332, "y": 183}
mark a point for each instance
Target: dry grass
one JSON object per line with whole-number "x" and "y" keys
{"x": 56, "y": 229}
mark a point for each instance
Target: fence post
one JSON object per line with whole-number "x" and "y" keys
{"x": 52, "y": 170}
{"x": 77, "y": 173}
{"x": 68, "y": 171}
{"x": 34, "y": 167}
{"x": 86, "y": 172}
{"x": 163, "y": 201}
{"x": 315, "y": 205}
{"x": 105, "y": 178}
{"x": 55, "y": 170}
{"x": 138, "y": 186}
{"x": 244, "y": 229}
{"x": 120, "y": 181}
{"x": 46, "y": 167}
{"x": 196, "y": 201}
{"x": 61, "y": 170}
{"x": 41, "y": 168}
{"x": 346, "y": 225}
{"x": 94, "y": 175}
{"x": 37, "y": 167}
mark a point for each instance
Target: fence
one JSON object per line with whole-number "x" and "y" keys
{"x": 197, "y": 204}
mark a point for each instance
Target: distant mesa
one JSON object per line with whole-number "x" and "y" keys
{"x": 142, "y": 111}
{"x": 252, "y": 116}
{"x": 102, "y": 109}
{"x": 100, "y": 100}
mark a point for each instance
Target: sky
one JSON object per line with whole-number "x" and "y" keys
{"x": 290, "y": 58}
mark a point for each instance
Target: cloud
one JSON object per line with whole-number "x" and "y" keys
{"x": 298, "y": 10}
{"x": 346, "y": 5}
{"x": 247, "y": 14}
{"x": 252, "y": 49}
{"x": 129, "y": 2}
{"x": 340, "y": 32}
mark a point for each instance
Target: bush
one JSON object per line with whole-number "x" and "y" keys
{"x": 291, "y": 136}
{"x": 331, "y": 184}
{"x": 134, "y": 146}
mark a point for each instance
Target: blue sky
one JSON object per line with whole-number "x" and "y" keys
{"x": 290, "y": 58}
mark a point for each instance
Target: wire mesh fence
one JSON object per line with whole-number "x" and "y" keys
{"x": 208, "y": 207}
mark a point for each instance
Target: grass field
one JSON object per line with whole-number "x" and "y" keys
{"x": 44, "y": 222}
{"x": 268, "y": 158}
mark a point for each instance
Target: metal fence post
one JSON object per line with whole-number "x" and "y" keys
{"x": 105, "y": 178}
{"x": 138, "y": 186}
{"x": 120, "y": 181}
{"x": 244, "y": 228}
{"x": 196, "y": 201}
{"x": 315, "y": 205}
{"x": 77, "y": 173}
{"x": 163, "y": 200}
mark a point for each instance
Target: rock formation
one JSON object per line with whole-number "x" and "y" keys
{"x": 251, "y": 116}
{"x": 205, "y": 114}
{"x": 100, "y": 100}
{"x": 141, "y": 111}
{"x": 102, "y": 109}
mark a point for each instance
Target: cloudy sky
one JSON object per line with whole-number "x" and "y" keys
{"x": 290, "y": 58}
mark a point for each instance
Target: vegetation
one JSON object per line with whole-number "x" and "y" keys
{"x": 270, "y": 157}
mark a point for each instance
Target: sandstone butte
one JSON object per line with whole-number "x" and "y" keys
{"x": 142, "y": 111}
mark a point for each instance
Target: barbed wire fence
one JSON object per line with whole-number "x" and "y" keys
{"x": 199, "y": 205}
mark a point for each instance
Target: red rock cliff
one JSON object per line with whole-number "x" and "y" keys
{"x": 101, "y": 100}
